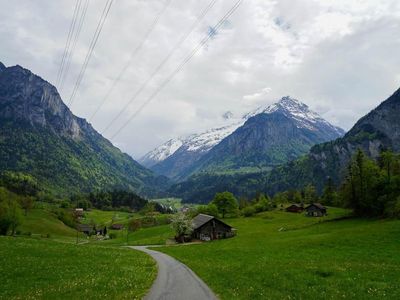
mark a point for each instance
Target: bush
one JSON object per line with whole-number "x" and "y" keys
{"x": 65, "y": 216}
{"x": 112, "y": 235}
{"x": 210, "y": 209}
{"x": 392, "y": 208}
{"x": 248, "y": 211}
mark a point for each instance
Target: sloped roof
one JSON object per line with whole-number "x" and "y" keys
{"x": 200, "y": 220}
{"x": 296, "y": 205}
{"x": 84, "y": 227}
{"x": 318, "y": 205}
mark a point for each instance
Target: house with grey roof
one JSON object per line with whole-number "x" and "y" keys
{"x": 206, "y": 228}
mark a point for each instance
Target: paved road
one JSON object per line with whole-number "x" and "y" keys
{"x": 175, "y": 281}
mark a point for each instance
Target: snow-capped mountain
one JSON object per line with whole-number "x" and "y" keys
{"x": 197, "y": 143}
{"x": 177, "y": 157}
{"x": 161, "y": 153}
{"x": 297, "y": 110}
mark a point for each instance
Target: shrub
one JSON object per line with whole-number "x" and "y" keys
{"x": 210, "y": 209}
{"x": 65, "y": 216}
{"x": 392, "y": 208}
{"x": 112, "y": 235}
{"x": 248, "y": 211}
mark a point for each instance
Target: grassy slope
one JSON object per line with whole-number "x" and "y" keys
{"x": 43, "y": 222}
{"x": 106, "y": 217}
{"x": 33, "y": 269}
{"x": 157, "y": 235}
{"x": 280, "y": 255}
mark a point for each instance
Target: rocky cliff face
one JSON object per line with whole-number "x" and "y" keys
{"x": 379, "y": 130}
{"x": 27, "y": 97}
{"x": 275, "y": 136}
{"x": 40, "y": 136}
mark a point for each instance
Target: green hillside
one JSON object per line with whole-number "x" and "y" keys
{"x": 279, "y": 255}
{"x": 44, "y": 222}
{"x": 40, "y": 136}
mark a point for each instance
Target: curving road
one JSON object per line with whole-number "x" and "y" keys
{"x": 175, "y": 281}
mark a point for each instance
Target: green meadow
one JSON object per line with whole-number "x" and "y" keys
{"x": 275, "y": 255}
{"x": 44, "y": 269}
{"x": 279, "y": 255}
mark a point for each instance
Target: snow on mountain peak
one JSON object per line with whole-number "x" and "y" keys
{"x": 162, "y": 152}
{"x": 203, "y": 142}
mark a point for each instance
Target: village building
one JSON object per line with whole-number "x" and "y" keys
{"x": 85, "y": 228}
{"x": 79, "y": 212}
{"x": 117, "y": 226}
{"x": 295, "y": 208}
{"x": 208, "y": 228}
{"x": 315, "y": 210}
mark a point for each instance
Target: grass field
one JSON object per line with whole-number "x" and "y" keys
{"x": 106, "y": 217}
{"x": 279, "y": 255}
{"x": 43, "y": 269}
{"x": 42, "y": 222}
{"x": 157, "y": 235}
{"x": 174, "y": 202}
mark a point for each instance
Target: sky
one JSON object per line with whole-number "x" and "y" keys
{"x": 340, "y": 57}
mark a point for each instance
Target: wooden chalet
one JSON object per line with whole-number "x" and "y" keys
{"x": 315, "y": 210}
{"x": 295, "y": 208}
{"x": 208, "y": 228}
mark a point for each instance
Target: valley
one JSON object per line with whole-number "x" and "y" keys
{"x": 199, "y": 150}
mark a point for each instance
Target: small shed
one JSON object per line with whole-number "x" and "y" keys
{"x": 295, "y": 208}
{"x": 206, "y": 228}
{"x": 79, "y": 212}
{"x": 85, "y": 228}
{"x": 315, "y": 210}
{"x": 117, "y": 226}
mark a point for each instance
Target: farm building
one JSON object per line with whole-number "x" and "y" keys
{"x": 316, "y": 210}
{"x": 117, "y": 226}
{"x": 295, "y": 208}
{"x": 85, "y": 228}
{"x": 79, "y": 212}
{"x": 208, "y": 228}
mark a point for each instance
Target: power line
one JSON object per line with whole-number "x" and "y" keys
{"x": 93, "y": 43}
{"x": 179, "y": 68}
{"x": 132, "y": 56}
{"x": 68, "y": 41}
{"x": 76, "y": 37}
{"x": 163, "y": 62}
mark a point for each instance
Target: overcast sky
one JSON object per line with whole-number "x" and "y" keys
{"x": 341, "y": 57}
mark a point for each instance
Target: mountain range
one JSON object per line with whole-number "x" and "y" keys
{"x": 41, "y": 137}
{"x": 260, "y": 140}
{"x": 379, "y": 130}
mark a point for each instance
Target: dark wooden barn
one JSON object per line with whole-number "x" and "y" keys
{"x": 208, "y": 228}
{"x": 117, "y": 226}
{"x": 316, "y": 210}
{"x": 85, "y": 228}
{"x": 295, "y": 208}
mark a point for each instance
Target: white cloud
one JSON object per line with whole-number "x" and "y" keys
{"x": 338, "y": 56}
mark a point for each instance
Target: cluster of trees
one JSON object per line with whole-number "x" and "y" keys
{"x": 18, "y": 192}
{"x": 225, "y": 204}
{"x": 109, "y": 200}
{"x": 117, "y": 200}
{"x": 10, "y": 212}
{"x": 370, "y": 187}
